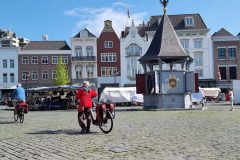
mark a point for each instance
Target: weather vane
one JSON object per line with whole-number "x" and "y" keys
{"x": 164, "y": 4}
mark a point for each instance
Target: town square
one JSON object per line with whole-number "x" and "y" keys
{"x": 137, "y": 134}
{"x": 119, "y": 80}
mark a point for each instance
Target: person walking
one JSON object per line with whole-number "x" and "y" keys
{"x": 230, "y": 92}
{"x": 85, "y": 95}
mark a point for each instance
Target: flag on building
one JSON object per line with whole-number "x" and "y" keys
{"x": 128, "y": 13}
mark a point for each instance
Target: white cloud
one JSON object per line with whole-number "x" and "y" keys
{"x": 93, "y": 18}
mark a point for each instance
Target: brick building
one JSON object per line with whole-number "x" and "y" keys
{"x": 226, "y": 50}
{"x": 108, "y": 57}
{"x": 37, "y": 61}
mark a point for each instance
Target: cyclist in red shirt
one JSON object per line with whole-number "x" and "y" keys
{"x": 85, "y": 95}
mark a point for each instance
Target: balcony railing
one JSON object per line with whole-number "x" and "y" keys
{"x": 84, "y": 58}
{"x": 129, "y": 54}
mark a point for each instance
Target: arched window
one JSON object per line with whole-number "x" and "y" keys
{"x": 133, "y": 50}
{"x": 78, "y": 51}
{"x": 89, "y": 50}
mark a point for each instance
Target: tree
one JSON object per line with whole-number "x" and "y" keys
{"x": 61, "y": 73}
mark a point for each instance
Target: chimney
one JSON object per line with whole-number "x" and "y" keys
{"x": 44, "y": 37}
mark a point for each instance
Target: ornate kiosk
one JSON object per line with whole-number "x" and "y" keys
{"x": 166, "y": 88}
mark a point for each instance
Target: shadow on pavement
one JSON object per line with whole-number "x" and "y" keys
{"x": 68, "y": 132}
{"x": 7, "y": 122}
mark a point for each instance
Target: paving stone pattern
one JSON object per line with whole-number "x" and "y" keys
{"x": 213, "y": 133}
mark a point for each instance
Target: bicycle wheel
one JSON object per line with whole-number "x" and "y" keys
{"x": 21, "y": 115}
{"x": 107, "y": 122}
{"x": 15, "y": 115}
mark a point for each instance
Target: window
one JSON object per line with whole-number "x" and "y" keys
{"x": 34, "y": 60}
{"x": 12, "y": 80}
{"x": 64, "y": 60}
{"x": 189, "y": 21}
{"x": 5, "y": 80}
{"x": 25, "y": 75}
{"x": 89, "y": 51}
{"x": 11, "y": 63}
{"x": 185, "y": 43}
{"x": 198, "y": 59}
{"x": 44, "y": 60}
{"x": 78, "y": 69}
{"x": 132, "y": 66}
{"x": 200, "y": 72}
{"x": 44, "y": 75}
{"x": 78, "y": 51}
{"x": 198, "y": 43}
{"x": 108, "y": 44}
{"x": 4, "y": 63}
{"x": 133, "y": 50}
{"x": 54, "y": 59}
{"x": 223, "y": 73}
{"x": 108, "y": 71}
{"x": 233, "y": 72}
{"x": 25, "y": 60}
{"x": 54, "y": 74}
{"x": 90, "y": 71}
{"x": 6, "y": 43}
{"x": 108, "y": 57}
{"x": 232, "y": 53}
{"x": 221, "y": 53}
{"x": 34, "y": 75}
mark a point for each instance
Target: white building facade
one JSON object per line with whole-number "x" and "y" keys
{"x": 84, "y": 58}
{"x": 8, "y": 68}
{"x": 9, "y": 49}
{"x": 133, "y": 45}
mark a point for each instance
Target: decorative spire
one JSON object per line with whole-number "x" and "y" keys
{"x": 164, "y": 4}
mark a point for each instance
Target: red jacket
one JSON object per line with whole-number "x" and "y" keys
{"x": 85, "y": 97}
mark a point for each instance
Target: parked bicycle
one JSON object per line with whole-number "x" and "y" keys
{"x": 104, "y": 116}
{"x": 19, "y": 110}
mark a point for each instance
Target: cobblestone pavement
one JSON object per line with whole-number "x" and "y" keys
{"x": 212, "y": 133}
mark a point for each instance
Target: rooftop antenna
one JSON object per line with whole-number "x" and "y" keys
{"x": 164, "y": 4}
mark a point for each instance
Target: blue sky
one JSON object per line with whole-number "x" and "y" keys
{"x": 61, "y": 19}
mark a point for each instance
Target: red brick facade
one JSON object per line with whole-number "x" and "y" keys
{"x": 108, "y": 36}
{"x": 227, "y": 62}
{"x": 39, "y": 68}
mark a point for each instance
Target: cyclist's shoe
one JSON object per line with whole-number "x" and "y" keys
{"x": 83, "y": 130}
{"x": 88, "y": 130}
{"x": 94, "y": 122}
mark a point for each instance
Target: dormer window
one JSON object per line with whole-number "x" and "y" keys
{"x": 189, "y": 21}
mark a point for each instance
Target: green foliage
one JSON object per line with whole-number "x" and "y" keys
{"x": 61, "y": 74}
